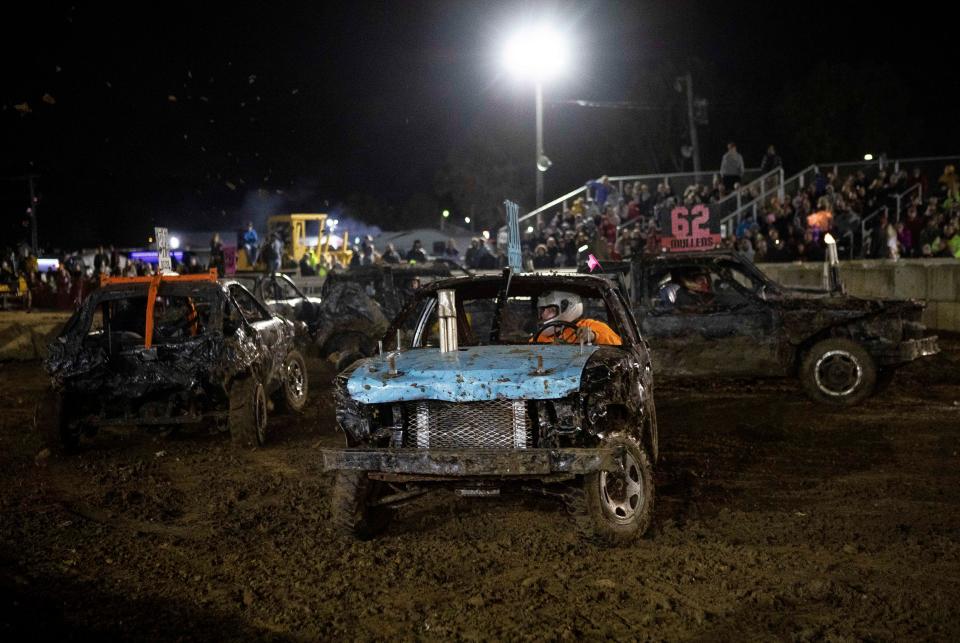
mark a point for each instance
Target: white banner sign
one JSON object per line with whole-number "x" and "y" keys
{"x": 163, "y": 250}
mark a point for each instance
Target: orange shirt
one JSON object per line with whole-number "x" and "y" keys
{"x": 605, "y": 334}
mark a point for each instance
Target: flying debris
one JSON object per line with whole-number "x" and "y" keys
{"x": 109, "y": 85}
{"x": 231, "y": 185}
{"x": 205, "y": 99}
{"x": 295, "y": 91}
{"x": 189, "y": 74}
{"x": 49, "y": 100}
{"x": 252, "y": 78}
{"x": 23, "y": 108}
{"x": 59, "y": 69}
{"x": 172, "y": 98}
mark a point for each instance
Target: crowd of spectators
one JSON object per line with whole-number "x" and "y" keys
{"x": 64, "y": 283}
{"x": 859, "y": 211}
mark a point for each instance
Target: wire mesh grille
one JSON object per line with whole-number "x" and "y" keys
{"x": 498, "y": 424}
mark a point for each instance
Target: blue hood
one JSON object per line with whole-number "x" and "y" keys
{"x": 473, "y": 374}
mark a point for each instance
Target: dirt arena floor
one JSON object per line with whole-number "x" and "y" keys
{"x": 775, "y": 519}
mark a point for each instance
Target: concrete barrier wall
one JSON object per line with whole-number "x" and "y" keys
{"x": 936, "y": 281}
{"x": 26, "y": 335}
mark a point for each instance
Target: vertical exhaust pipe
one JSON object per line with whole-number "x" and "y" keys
{"x": 831, "y": 266}
{"x": 447, "y": 313}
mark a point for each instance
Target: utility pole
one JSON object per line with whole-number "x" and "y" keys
{"x": 33, "y": 216}
{"x": 688, "y": 80}
{"x": 540, "y": 167}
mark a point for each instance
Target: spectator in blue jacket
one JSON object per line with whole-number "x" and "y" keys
{"x": 250, "y": 243}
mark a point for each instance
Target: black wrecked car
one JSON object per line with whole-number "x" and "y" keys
{"x": 284, "y": 297}
{"x": 170, "y": 351}
{"x": 475, "y": 393}
{"x": 715, "y": 314}
{"x": 358, "y": 304}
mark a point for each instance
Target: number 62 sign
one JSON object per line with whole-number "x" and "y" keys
{"x": 690, "y": 229}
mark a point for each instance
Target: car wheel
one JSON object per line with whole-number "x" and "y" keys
{"x": 60, "y": 432}
{"x": 352, "y": 513}
{"x": 838, "y": 371}
{"x": 292, "y": 395}
{"x": 248, "y": 412}
{"x": 615, "y": 507}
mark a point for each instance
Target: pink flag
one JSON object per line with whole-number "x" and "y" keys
{"x": 592, "y": 263}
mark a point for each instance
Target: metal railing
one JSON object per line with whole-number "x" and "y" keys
{"x": 679, "y": 181}
{"x": 729, "y": 223}
{"x": 883, "y": 163}
{"x": 885, "y": 209}
{"x": 865, "y": 243}
{"x": 734, "y": 199}
{"x": 903, "y": 195}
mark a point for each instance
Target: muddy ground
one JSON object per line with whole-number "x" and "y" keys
{"x": 775, "y": 519}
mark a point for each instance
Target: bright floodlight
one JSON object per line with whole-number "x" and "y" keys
{"x": 868, "y": 157}
{"x": 539, "y": 53}
{"x": 466, "y": 219}
{"x": 446, "y": 213}
{"x": 174, "y": 243}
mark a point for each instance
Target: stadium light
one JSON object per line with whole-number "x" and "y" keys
{"x": 466, "y": 219}
{"x": 174, "y": 243}
{"x": 868, "y": 157}
{"x": 539, "y": 53}
{"x": 446, "y": 214}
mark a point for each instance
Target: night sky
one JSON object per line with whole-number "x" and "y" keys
{"x": 201, "y": 117}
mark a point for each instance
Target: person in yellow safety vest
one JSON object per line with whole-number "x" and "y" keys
{"x": 313, "y": 257}
{"x": 560, "y": 306}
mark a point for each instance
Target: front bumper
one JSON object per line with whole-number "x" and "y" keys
{"x": 475, "y": 462}
{"x": 909, "y": 350}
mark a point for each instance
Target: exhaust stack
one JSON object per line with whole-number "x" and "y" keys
{"x": 447, "y": 313}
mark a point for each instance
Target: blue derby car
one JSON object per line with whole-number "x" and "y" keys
{"x": 479, "y": 391}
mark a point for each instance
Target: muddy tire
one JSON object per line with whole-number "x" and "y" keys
{"x": 838, "y": 371}
{"x": 247, "y": 420}
{"x": 615, "y": 508}
{"x": 292, "y": 394}
{"x": 351, "y": 513}
{"x": 53, "y": 421}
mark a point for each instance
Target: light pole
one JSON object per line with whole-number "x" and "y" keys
{"x": 537, "y": 54}
{"x": 687, "y": 81}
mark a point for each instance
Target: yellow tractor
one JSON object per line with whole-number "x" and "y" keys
{"x": 299, "y": 233}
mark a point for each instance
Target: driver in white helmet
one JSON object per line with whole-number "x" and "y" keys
{"x": 560, "y": 312}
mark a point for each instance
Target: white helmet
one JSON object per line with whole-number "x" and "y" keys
{"x": 569, "y": 305}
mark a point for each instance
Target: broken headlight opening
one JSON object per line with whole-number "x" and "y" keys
{"x": 494, "y": 424}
